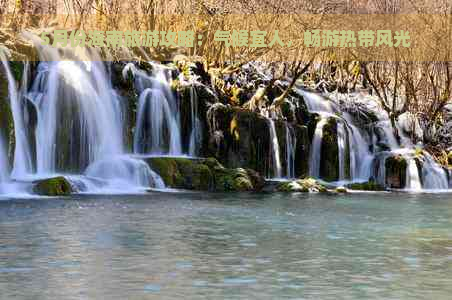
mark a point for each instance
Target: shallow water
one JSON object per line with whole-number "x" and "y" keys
{"x": 210, "y": 246}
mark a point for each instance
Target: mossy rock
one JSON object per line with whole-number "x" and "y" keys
{"x": 307, "y": 185}
{"x": 396, "y": 167}
{"x": 329, "y": 164}
{"x": 6, "y": 117}
{"x": 17, "y": 69}
{"x": 56, "y": 186}
{"x": 365, "y": 186}
{"x": 340, "y": 190}
{"x": 168, "y": 170}
{"x": 204, "y": 175}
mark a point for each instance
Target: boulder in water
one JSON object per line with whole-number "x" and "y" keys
{"x": 204, "y": 175}
{"x": 307, "y": 185}
{"x": 56, "y": 186}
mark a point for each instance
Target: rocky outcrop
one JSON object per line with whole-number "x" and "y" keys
{"x": 241, "y": 138}
{"x": 6, "y": 116}
{"x": 204, "y": 175}
{"x": 396, "y": 168}
{"x": 307, "y": 185}
{"x": 56, "y": 186}
{"x": 329, "y": 164}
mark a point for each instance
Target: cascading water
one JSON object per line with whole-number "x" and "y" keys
{"x": 413, "y": 181}
{"x": 155, "y": 123}
{"x": 22, "y": 158}
{"x": 316, "y": 147}
{"x": 360, "y": 157}
{"x": 196, "y": 128}
{"x": 433, "y": 176}
{"x": 152, "y": 131}
{"x": 274, "y": 144}
{"x": 80, "y": 123}
{"x": 347, "y": 134}
{"x": 291, "y": 142}
{"x": 4, "y": 165}
{"x": 122, "y": 171}
{"x": 341, "y": 143}
{"x": 79, "y": 116}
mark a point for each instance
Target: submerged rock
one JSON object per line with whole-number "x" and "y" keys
{"x": 204, "y": 175}
{"x": 307, "y": 185}
{"x": 56, "y": 186}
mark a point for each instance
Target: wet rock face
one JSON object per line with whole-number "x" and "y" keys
{"x": 329, "y": 164}
{"x": 396, "y": 168}
{"x": 244, "y": 139}
{"x": 56, "y": 186}
{"x": 241, "y": 138}
{"x": 6, "y": 117}
{"x": 194, "y": 100}
{"x": 204, "y": 175}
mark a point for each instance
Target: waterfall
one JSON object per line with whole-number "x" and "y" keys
{"x": 155, "y": 112}
{"x": 123, "y": 171}
{"x": 4, "y": 165}
{"x": 79, "y": 115}
{"x": 317, "y": 103}
{"x": 22, "y": 158}
{"x": 316, "y": 147}
{"x": 360, "y": 157}
{"x": 341, "y": 142}
{"x": 434, "y": 177}
{"x": 196, "y": 128}
{"x": 291, "y": 143}
{"x": 164, "y": 136}
{"x": 274, "y": 144}
{"x": 413, "y": 181}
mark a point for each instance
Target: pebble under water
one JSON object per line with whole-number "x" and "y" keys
{"x": 239, "y": 246}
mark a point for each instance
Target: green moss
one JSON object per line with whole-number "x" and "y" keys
{"x": 204, "y": 175}
{"x": 194, "y": 174}
{"x": 6, "y": 118}
{"x": 57, "y": 186}
{"x": 366, "y": 186}
{"x": 167, "y": 169}
{"x": 17, "y": 69}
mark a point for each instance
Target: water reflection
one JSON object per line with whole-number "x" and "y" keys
{"x": 174, "y": 246}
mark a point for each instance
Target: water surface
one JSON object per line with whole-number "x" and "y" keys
{"x": 211, "y": 246}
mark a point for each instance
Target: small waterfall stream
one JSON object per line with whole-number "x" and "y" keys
{"x": 196, "y": 128}
{"x": 22, "y": 158}
{"x": 155, "y": 112}
{"x": 316, "y": 147}
{"x": 341, "y": 142}
{"x": 274, "y": 144}
{"x": 158, "y": 117}
{"x": 413, "y": 181}
{"x": 291, "y": 143}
